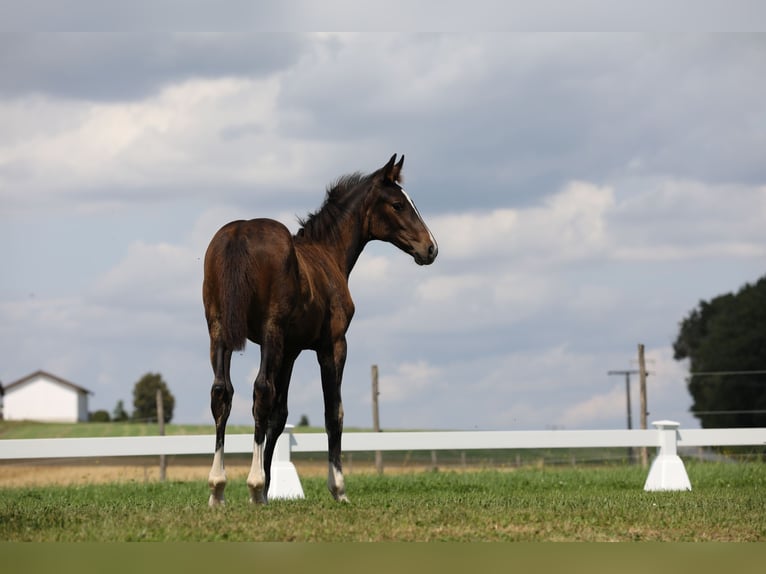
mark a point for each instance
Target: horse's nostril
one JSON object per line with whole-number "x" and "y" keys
{"x": 433, "y": 251}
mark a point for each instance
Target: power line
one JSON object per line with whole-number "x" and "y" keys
{"x": 729, "y": 373}
{"x": 716, "y": 373}
{"x": 729, "y": 382}
{"x": 756, "y": 412}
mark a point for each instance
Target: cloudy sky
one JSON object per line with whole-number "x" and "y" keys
{"x": 586, "y": 191}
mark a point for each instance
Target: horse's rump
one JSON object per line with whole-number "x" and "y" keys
{"x": 242, "y": 265}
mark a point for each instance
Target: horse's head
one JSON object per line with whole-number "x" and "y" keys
{"x": 393, "y": 216}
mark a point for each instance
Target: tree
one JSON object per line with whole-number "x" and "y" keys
{"x": 119, "y": 414}
{"x": 99, "y": 416}
{"x": 145, "y": 398}
{"x": 725, "y": 335}
{"x": 304, "y": 421}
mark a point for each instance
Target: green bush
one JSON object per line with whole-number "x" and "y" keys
{"x": 100, "y": 416}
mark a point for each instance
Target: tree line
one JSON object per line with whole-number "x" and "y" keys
{"x": 724, "y": 340}
{"x": 144, "y": 402}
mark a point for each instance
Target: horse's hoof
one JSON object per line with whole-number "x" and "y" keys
{"x": 340, "y": 496}
{"x": 217, "y": 486}
{"x": 258, "y": 496}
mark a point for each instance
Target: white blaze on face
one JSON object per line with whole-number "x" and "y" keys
{"x": 430, "y": 235}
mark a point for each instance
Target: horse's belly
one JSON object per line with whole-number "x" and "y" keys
{"x": 304, "y": 329}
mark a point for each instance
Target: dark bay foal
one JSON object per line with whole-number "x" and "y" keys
{"x": 290, "y": 292}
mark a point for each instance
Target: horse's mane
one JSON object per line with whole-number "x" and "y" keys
{"x": 341, "y": 199}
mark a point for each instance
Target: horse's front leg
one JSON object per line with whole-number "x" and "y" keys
{"x": 331, "y": 363}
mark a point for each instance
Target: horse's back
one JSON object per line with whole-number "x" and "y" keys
{"x": 251, "y": 273}
{"x": 258, "y": 235}
{"x": 263, "y": 244}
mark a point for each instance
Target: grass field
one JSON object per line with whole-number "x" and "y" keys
{"x": 563, "y": 504}
{"x": 503, "y": 501}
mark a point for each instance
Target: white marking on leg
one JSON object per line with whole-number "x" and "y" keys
{"x": 336, "y": 484}
{"x": 256, "y": 480}
{"x": 217, "y": 479}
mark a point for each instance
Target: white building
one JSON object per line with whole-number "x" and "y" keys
{"x": 45, "y": 397}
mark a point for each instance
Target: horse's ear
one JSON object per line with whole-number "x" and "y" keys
{"x": 392, "y": 171}
{"x": 398, "y": 169}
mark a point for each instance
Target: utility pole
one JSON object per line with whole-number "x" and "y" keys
{"x": 376, "y": 417}
{"x": 627, "y": 399}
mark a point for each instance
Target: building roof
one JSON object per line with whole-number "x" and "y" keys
{"x": 10, "y": 386}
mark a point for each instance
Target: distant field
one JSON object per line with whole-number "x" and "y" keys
{"x": 24, "y": 429}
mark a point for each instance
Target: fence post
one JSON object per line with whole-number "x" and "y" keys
{"x": 284, "y": 477}
{"x": 667, "y": 471}
{"x": 161, "y": 422}
{"x": 376, "y": 417}
{"x": 642, "y": 398}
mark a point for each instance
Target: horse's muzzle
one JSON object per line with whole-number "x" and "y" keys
{"x": 428, "y": 257}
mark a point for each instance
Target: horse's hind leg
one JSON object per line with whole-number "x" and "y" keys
{"x": 264, "y": 392}
{"x": 221, "y": 396}
{"x": 278, "y": 416}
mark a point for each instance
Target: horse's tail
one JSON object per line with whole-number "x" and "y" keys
{"x": 229, "y": 272}
{"x": 236, "y": 295}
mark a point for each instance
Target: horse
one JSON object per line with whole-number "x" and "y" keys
{"x": 289, "y": 293}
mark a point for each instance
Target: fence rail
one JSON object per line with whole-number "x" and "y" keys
{"x": 667, "y": 472}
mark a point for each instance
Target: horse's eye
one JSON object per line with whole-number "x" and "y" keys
{"x": 398, "y": 206}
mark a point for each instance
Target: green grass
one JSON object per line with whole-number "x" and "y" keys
{"x": 543, "y": 503}
{"x": 31, "y": 429}
{"x": 28, "y": 429}
{"x": 562, "y": 504}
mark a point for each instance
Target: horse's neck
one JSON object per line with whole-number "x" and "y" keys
{"x": 344, "y": 247}
{"x": 344, "y": 251}
{"x": 350, "y": 249}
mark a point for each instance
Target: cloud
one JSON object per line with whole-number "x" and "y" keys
{"x": 410, "y": 381}
{"x": 586, "y": 191}
{"x": 667, "y": 397}
{"x": 581, "y": 264}
{"x": 659, "y": 219}
{"x": 486, "y": 15}
{"x": 512, "y": 328}
{"x": 570, "y": 224}
{"x": 143, "y": 151}
{"x": 514, "y": 111}
{"x": 671, "y": 219}
{"x": 138, "y": 65}
{"x": 595, "y": 409}
{"x": 152, "y": 277}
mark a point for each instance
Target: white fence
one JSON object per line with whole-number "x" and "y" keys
{"x": 666, "y": 473}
